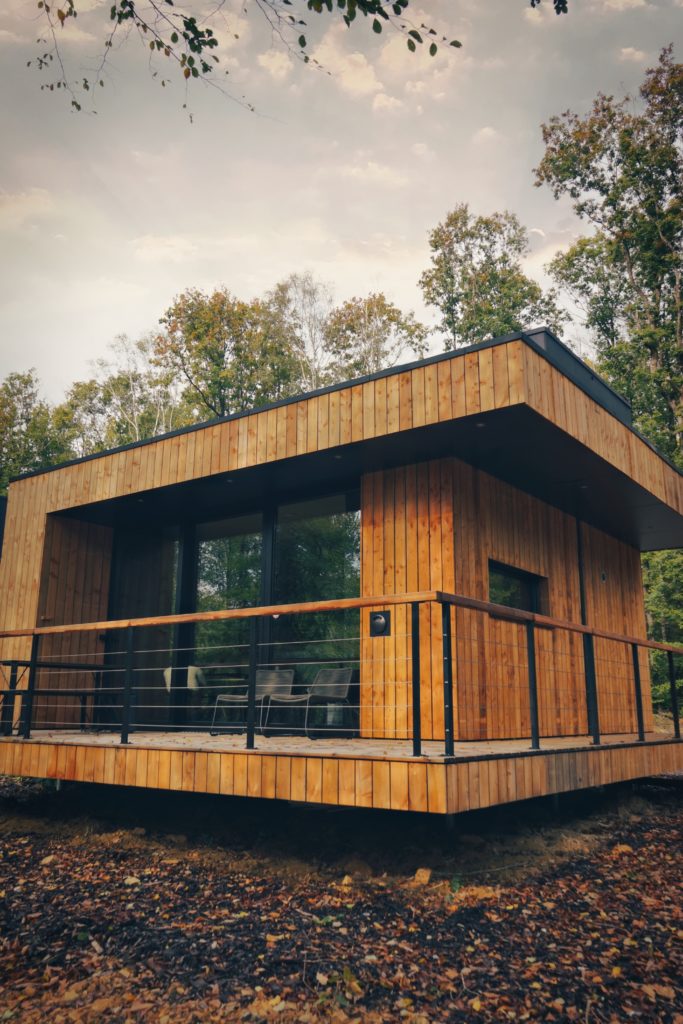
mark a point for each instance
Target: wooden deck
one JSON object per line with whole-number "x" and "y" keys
{"x": 349, "y": 773}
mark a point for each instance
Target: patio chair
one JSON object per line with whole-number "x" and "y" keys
{"x": 330, "y": 689}
{"x": 269, "y": 682}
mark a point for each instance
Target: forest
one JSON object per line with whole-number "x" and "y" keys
{"x": 214, "y": 353}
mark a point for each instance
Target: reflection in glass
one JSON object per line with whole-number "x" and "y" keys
{"x": 513, "y": 587}
{"x": 228, "y": 576}
{"x": 317, "y": 558}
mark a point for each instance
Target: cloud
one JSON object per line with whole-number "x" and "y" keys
{"x": 629, "y": 53}
{"x": 164, "y": 249}
{"x": 277, "y": 64}
{"x": 352, "y": 72}
{"x": 20, "y": 209}
{"x": 422, "y": 151}
{"x": 386, "y": 103}
{"x": 486, "y": 135}
{"x": 374, "y": 173}
{"x": 623, "y": 5}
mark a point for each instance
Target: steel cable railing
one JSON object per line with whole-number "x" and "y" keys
{"x": 453, "y": 668}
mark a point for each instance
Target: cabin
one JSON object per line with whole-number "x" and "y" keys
{"x": 420, "y": 590}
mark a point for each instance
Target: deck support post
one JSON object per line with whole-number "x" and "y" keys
{"x": 127, "y": 686}
{"x": 591, "y": 688}
{"x": 674, "y": 696}
{"x": 27, "y": 703}
{"x": 8, "y": 701}
{"x": 251, "y": 683}
{"x": 533, "y": 688}
{"x": 447, "y": 679}
{"x": 415, "y": 641}
{"x": 638, "y": 692}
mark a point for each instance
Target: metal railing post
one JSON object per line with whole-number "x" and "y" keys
{"x": 27, "y": 702}
{"x": 638, "y": 692}
{"x": 415, "y": 640}
{"x": 8, "y": 701}
{"x": 533, "y": 687}
{"x": 591, "y": 688}
{"x": 674, "y": 696}
{"x": 127, "y": 687}
{"x": 251, "y": 683}
{"x": 447, "y": 679}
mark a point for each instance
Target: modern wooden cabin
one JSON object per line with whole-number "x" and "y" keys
{"x": 491, "y": 504}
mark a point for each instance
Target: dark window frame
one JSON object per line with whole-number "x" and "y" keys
{"x": 537, "y": 585}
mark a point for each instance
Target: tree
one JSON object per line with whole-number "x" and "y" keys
{"x": 230, "y": 355}
{"x": 29, "y": 439}
{"x": 371, "y": 334}
{"x": 189, "y": 43}
{"x": 130, "y": 398}
{"x": 301, "y": 306}
{"x": 476, "y": 280}
{"x": 622, "y": 166}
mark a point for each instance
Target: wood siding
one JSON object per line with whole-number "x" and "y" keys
{"x": 435, "y": 526}
{"x": 386, "y": 782}
{"x": 462, "y": 385}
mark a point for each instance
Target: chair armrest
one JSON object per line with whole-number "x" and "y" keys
{"x": 231, "y": 698}
{"x": 289, "y": 698}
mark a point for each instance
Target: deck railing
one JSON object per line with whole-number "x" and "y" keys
{"x": 417, "y": 667}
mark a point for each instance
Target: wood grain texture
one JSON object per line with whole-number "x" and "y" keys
{"x": 381, "y": 782}
{"x": 436, "y": 525}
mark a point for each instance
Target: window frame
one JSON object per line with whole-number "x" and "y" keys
{"x": 537, "y": 585}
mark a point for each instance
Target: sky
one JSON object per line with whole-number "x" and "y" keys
{"x": 105, "y": 217}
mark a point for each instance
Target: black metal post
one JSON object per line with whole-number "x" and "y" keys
{"x": 251, "y": 682}
{"x": 591, "y": 687}
{"x": 533, "y": 688}
{"x": 447, "y": 679}
{"x": 8, "y": 701}
{"x": 638, "y": 692}
{"x": 127, "y": 686}
{"x": 674, "y": 696}
{"x": 27, "y": 703}
{"x": 415, "y": 637}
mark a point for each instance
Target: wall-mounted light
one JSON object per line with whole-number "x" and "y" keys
{"x": 380, "y": 623}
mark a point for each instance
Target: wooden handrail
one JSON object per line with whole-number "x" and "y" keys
{"x": 345, "y": 604}
{"x": 342, "y": 604}
{"x": 502, "y": 611}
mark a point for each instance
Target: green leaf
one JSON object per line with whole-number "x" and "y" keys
{"x": 376, "y": 27}
{"x": 302, "y": 41}
{"x": 411, "y": 46}
{"x": 432, "y": 50}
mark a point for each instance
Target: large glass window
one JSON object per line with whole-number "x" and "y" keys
{"x": 229, "y": 559}
{"x": 317, "y": 558}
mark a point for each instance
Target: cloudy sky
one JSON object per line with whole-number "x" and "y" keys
{"x": 105, "y": 217}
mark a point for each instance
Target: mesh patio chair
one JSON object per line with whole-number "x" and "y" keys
{"x": 269, "y": 683}
{"x": 330, "y": 689}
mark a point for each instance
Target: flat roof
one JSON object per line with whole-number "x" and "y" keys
{"x": 541, "y": 340}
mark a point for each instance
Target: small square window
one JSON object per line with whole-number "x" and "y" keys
{"x": 515, "y": 588}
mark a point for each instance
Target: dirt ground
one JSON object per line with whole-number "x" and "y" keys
{"x": 129, "y": 906}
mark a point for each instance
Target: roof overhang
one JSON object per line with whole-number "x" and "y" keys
{"x": 515, "y": 444}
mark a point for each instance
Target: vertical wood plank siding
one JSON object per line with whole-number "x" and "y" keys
{"x": 434, "y": 526}
{"x": 427, "y": 540}
{"x": 386, "y": 782}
